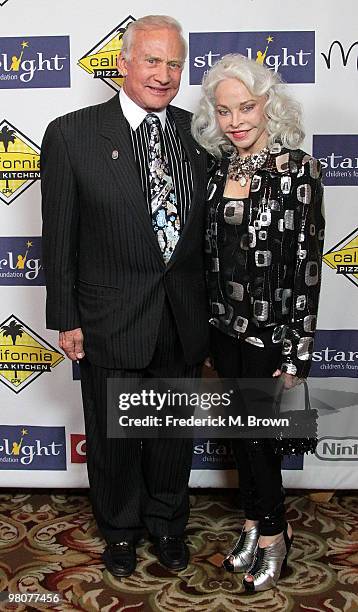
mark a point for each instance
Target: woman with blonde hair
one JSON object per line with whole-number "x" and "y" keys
{"x": 264, "y": 246}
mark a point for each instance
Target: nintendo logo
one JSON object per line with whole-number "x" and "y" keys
{"x": 337, "y": 449}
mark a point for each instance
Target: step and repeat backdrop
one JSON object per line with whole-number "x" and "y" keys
{"x": 60, "y": 56}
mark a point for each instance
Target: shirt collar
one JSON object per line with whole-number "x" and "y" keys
{"x": 134, "y": 113}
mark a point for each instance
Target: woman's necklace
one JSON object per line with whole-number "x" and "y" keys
{"x": 243, "y": 168}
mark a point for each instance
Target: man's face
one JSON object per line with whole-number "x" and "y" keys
{"x": 153, "y": 71}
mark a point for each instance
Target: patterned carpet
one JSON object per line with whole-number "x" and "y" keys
{"x": 50, "y": 543}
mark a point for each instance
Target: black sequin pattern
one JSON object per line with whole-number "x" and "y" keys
{"x": 264, "y": 255}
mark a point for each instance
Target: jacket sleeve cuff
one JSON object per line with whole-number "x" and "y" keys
{"x": 62, "y": 322}
{"x": 301, "y": 369}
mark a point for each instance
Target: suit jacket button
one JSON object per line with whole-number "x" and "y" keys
{"x": 115, "y": 154}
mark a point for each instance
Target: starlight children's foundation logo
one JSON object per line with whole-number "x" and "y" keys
{"x": 19, "y": 162}
{"x": 20, "y": 261}
{"x": 27, "y": 447}
{"x": 34, "y": 61}
{"x": 24, "y": 355}
{"x": 292, "y": 54}
{"x": 338, "y": 154}
{"x": 343, "y": 257}
{"x": 101, "y": 60}
{"x": 335, "y": 353}
{"x": 212, "y": 455}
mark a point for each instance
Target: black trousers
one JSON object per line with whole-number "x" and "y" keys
{"x": 137, "y": 484}
{"x": 259, "y": 467}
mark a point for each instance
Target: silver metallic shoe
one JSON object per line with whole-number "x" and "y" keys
{"x": 241, "y": 555}
{"x": 268, "y": 564}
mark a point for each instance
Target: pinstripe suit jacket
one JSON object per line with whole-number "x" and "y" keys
{"x": 104, "y": 269}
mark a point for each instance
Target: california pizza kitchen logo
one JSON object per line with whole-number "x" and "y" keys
{"x": 24, "y": 355}
{"x": 19, "y": 162}
{"x": 34, "y": 61}
{"x": 101, "y": 60}
{"x": 343, "y": 257}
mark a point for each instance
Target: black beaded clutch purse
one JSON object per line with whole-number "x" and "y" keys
{"x": 301, "y": 434}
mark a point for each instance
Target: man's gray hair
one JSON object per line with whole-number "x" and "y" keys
{"x": 150, "y": 22}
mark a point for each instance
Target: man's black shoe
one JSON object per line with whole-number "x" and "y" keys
{"x": 172, "y": 552}
{"x": 120, "y": 558}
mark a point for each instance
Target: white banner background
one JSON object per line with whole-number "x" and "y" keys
{"x": 329, "y": 108}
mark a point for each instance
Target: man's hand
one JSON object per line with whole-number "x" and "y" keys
{"x": 289, "y": 381}
{"x": 209, "y": 363}
{"x": 72, "y": 343}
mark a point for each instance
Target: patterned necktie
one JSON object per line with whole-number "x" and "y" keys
{"x": 165, "y": 218}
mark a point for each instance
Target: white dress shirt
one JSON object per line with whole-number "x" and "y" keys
{"x": 134, "y": 113}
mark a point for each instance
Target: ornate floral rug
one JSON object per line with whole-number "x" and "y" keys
{"x": 49, "y": 543}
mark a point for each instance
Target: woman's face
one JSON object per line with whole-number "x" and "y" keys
{"x": 241, "y": 117}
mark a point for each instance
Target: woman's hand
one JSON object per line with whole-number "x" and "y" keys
{"x": 289, "y": 381}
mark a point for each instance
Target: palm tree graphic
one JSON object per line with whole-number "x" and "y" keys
{"x": 7, "y": 136}
{"x": 13, "y": 330}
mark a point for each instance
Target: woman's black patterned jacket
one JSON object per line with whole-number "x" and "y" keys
{"x": 284, "y": 260}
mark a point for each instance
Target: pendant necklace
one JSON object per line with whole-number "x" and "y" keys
{"x": 243, "y": 168}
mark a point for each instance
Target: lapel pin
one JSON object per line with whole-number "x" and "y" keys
{"x": 115, "y": 154}
{"x": 198, "y": 152}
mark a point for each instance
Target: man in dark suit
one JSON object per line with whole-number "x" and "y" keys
{"x": 125, "y": 281}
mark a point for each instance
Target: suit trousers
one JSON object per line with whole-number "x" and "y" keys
{"x": 137, "y": 485}
{"x": 259, "y": 467}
